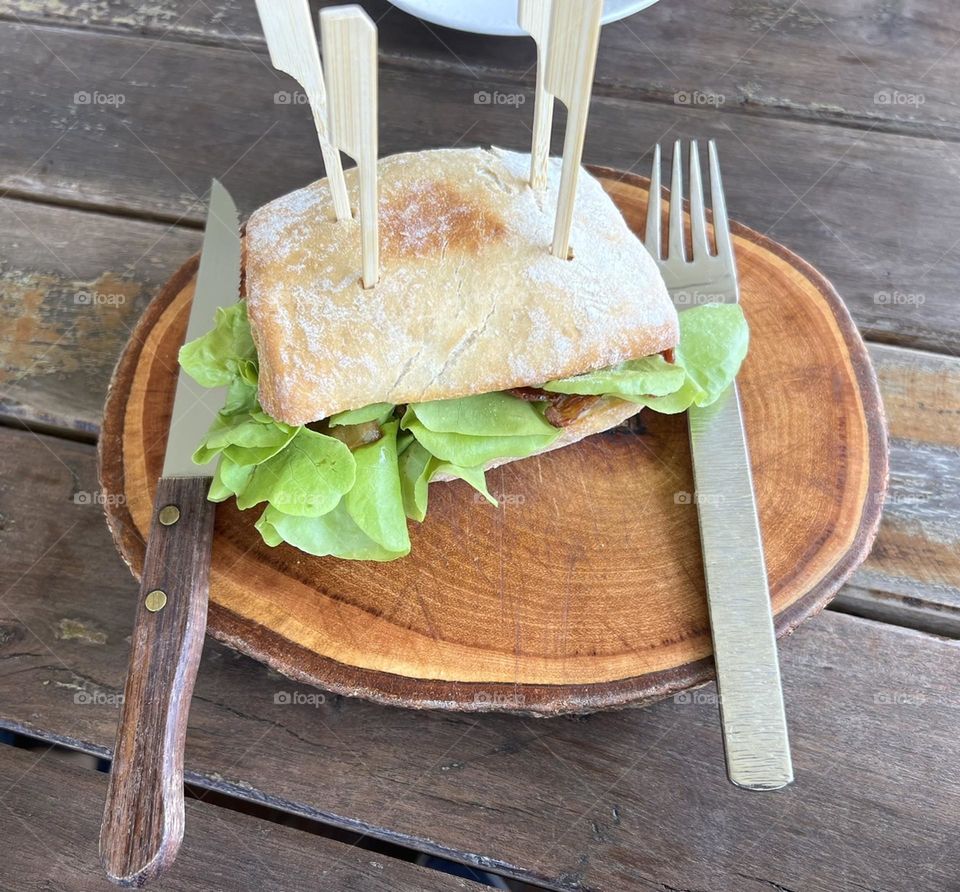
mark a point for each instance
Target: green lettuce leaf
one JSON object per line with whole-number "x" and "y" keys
{"x": 249, "y": 371}
{"x": 375, "y": 502}
{"x": 404, "y": 439}
{"x": 471, "y": 452}
{"x": 241, "y": 397}
{"x": 483, "y": 415}
{"x": 335, "y": 534}
{"x": 418, "y": 468}
{"x": 305, "y": 479}
{"x": 230, "y": 480}
{"x": 268, "y": 532}
{"x": 414, "y": 480}
{"x": 244, "y": 439}
{"x": 374, "y": 412}
{"x": 714, "y": 340}
{"x": 680, "y": 401}
{"x": 634, "y": 380}
{"x": 474, "y": 430}
{"x": 713, "y": 343}
{"x": 215, "y": 359}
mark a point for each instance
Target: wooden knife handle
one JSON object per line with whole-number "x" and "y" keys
{"x": 143, "y": 818}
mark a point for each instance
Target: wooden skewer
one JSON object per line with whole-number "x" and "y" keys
{"x": 571, "y": 59}
{"x": 350, "y": 64}
{"x": 292, "y": 43}
{"x": 534, "y": 18}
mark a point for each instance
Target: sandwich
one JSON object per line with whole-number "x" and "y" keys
{"x": 476, "y": 347}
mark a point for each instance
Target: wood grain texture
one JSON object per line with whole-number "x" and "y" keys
{"x": 58, "y": 354}
{"x": 841, "y": 198}
{"x": 143, "y": 815}
{"x": 913, "y": 573}
{"x": 821, "y": 61}
{"x": 873, "y": 717}
{"x": 634, "y": 799}
{"x": 48, "y": 846}
{"x": 519, "y": 623}
{"x": 68, "y": 303}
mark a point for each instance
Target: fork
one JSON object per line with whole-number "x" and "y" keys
{"x": 752, "y": 712}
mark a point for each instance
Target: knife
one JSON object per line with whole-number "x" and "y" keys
{"x": 143, "y": 817}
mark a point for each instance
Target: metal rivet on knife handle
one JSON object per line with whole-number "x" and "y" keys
{"x": 155, "y": 600}
{"x": 169, "y": 515}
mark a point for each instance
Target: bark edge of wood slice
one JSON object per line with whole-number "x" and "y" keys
{"x": 584, "y": 590}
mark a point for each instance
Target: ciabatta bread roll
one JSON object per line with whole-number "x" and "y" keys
{"x": 469, "y": 301}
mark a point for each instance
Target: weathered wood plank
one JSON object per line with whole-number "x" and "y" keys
{"x": 874, "y": 63}
{"x": 72, "y": 286}
{"x": 51, "y": 818}
{"x": 931, "y": 612}
{"x": 912, "y": 576}
{"x": 844, "y": 199}
{"x": 612, "y": 801}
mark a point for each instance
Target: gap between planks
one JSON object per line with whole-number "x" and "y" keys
{"x": 246, "y": 793}
{"x": 180, "y": 221}
{"x": 336, "y": 845}
{"x": 246, "y": 800}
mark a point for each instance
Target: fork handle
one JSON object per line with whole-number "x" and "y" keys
{"x": 741, "y": 619}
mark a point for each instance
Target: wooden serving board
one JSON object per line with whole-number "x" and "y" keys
{"x": 584, "y": 590}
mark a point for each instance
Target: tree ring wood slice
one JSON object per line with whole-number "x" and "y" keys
{"x": 584, "y": 590}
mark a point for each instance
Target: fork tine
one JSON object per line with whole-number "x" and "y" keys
{"x": 698, "y": 217}
{"x": 652, "y": 237}
{"x": 721, "y": 224}
{"x": 677, "y": 251}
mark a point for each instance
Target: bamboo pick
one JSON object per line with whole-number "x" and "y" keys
{"x": 571, "y": 59}
{"x": 292, "y": 43}
{"x": 534, "y": 18}
{"x": 350, "y": 63}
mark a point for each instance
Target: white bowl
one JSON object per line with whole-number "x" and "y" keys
{"x": 498, "y": 17}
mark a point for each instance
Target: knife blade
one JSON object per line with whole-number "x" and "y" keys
{"x": 143, "y": 817}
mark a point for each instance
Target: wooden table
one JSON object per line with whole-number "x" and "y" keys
{"x": 839, "y": 133}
